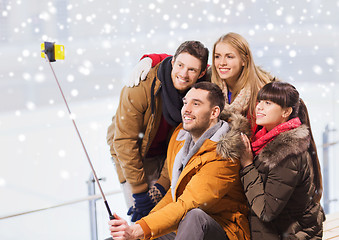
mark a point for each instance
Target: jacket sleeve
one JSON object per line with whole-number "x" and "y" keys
{"x": 167, "y": 199}
{"x": 267, "y": 201}
{"x": 128, "y": 134}
{"x": 164, "y": 179}
{"x": 156, "y": 58}
{"x": 204, "y": 189}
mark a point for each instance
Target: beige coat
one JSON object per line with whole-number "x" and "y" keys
{"x": 133, "y": 129}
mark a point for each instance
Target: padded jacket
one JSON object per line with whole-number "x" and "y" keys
{"x": 279, "y": 188}
{"x": 133, "y": 129}
{"x": 210, "y": 181}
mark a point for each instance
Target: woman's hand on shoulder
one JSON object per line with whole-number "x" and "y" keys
{"x": 247, "y": 157}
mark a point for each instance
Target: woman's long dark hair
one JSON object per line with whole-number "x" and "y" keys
{"x": 286, "y": 95}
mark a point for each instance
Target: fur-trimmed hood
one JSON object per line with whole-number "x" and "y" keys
{"x": 293, "y": 142}
{"x": 231, "y": 145}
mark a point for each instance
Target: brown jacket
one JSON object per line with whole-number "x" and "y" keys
{"x": 279, "y": 187}
{"x": 210, "y": 181}
{"x": 133, "y": 129}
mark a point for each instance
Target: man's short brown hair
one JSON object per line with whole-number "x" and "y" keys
{"x": 196, "y": 49}
{"x": 215, "y": 94}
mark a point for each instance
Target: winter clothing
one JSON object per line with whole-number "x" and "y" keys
{"x": 142, "y": 206}
{"x": 144, "y": 202}
{"x": 240, "y": 103}
{"x": 133, "y": 129}
{"x": 209, "y": 181}
{"x": 262, "y": 137}
{"x": 153, "y": 168}
{"x": 156, "y": 58}
{"x": 159, "y": 143}
{"x": 172, "y": 99}
{"x": 189, "y": 149}
{"x": 156, "y": 193}
{"x": 137, "y": 121}
{"x": 280, "y": 189}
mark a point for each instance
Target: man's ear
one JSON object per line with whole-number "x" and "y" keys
{"x": 202, "y": 73}
{"x": 215, "y": 112}
{"x": 287, "y": 112}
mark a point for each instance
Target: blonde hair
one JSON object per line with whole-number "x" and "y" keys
{"x": 251, "y": 76}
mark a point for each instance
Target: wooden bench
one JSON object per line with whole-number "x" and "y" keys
{"x": 331, "y": 226}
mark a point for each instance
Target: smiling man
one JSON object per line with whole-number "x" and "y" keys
{"x": 146, "y": 116}
{"x": 206, "y": 200}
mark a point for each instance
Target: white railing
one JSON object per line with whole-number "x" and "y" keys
{"x": 88, "y": 198}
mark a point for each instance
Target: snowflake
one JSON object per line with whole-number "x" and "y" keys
{"x": 22, "y": 138}
{"x": 317, "y": 69}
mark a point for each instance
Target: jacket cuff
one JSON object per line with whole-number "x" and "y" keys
{"x": 164, "y": 182}
{"x": 145, "y": 228}
{"x": 140, "y": 188}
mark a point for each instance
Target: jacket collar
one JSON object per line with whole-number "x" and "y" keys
{"x": 293, "y": 142}
{"x": 230, "y": 145}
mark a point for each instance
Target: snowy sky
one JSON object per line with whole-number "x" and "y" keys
{"x": 295, "y": 40}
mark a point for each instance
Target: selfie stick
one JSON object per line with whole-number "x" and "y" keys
{"x": 49, "y": 53}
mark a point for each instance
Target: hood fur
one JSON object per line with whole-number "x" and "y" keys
{"x": 288, "y": 143}
{"x": 231, "y": 145}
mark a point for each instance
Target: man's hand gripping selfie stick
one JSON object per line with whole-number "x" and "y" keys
{"x": 51, "y": 53}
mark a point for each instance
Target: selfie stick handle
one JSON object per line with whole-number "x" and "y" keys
{"x": 82, "y": 143}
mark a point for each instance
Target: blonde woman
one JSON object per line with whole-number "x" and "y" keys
{"x": 232, "y": 69}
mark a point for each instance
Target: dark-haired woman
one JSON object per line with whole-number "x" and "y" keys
{"x": 281, "y": 171}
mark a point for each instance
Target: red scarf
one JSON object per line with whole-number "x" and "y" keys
{"x": 262, "y": 137}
